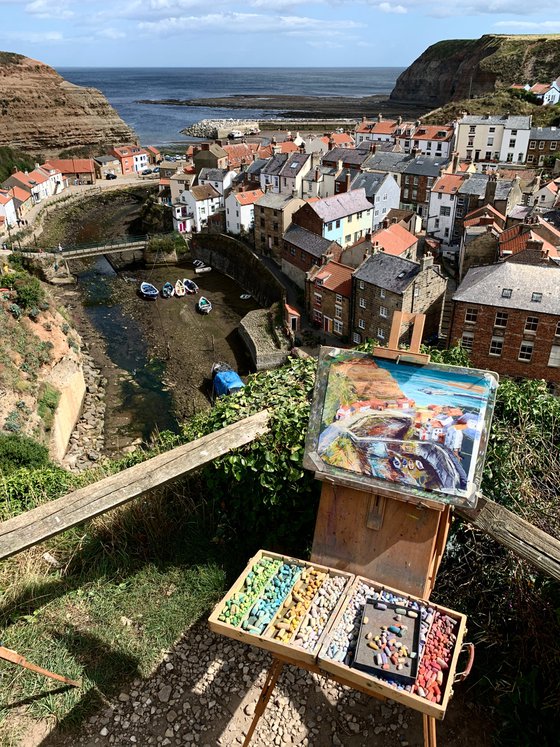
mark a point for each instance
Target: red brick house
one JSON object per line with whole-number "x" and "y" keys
{"x": 508, "y": 317}
{"x": 328, "y": 297}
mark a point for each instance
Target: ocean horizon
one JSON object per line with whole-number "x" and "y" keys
{"x": 161, "y": 124}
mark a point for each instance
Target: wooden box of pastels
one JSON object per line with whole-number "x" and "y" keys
{"x": 389, "y": 643}
{"x": 282, "y": 604}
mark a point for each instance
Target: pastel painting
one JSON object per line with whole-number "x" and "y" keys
{"x": 422, "y": 427}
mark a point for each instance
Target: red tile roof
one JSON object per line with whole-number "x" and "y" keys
{"x": 20, "y": 194}
{"x": 5, "y": 197}
{"x": 240, "y": 153}
{"x": 516, "y": 238}
{"x": 125, "y": 151}
{"x": 385, "y": 127}
{"x": 448, "y": 183}
{"x": 71, "y": 165}
{"x": 433, "y": 132}
{"x": 395, "y": 239}
{"x": 249, "y": 197}
{"x": 475, "y": 216}
{"x": 335, "y": 277}
{"x": 153, "y": 149}
{"x": 540, "y": 88}
{"x": 340, "y": 139}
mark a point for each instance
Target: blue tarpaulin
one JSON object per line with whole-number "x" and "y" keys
{"x": 226, "y": 382}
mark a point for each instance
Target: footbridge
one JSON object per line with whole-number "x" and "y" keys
{"x": 82, "y": 251}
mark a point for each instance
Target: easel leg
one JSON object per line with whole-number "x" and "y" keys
{"x": 267, "y": 690}
{"x": 429, "y": 724}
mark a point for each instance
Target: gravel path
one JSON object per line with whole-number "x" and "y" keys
{"x": 205, "y": 690}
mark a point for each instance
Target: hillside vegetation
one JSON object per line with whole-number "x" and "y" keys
{"x": 501, "y": 102}
{"x": 10, "y": 159}
{"x": 159, "y": 561}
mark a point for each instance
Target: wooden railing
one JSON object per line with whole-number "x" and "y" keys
{"x": 39, "y": 524}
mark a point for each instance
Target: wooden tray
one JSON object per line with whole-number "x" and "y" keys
{"x": 262, "y": 641}
{"x": 367, "y": 683}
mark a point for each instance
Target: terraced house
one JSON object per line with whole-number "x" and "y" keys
{"x": 328, "y": 297}
{"x": 344, "y": 218}
{"x": 544, "y": 145}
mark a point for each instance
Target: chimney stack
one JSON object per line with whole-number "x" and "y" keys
{"x": 363, "y": 117}
{"x": 454, "y": 161}
{"x": 380, "y": 117}
{"x": 373, "y": 148}
{"x": 331, "y": 143}
{"x": 427, "y": 261}
{"x": 399, "y": 120}
{"x": 348, "y": 181}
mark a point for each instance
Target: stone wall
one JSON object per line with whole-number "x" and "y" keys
{"x": 233, "y": 258}
{"x": 266, "y": 349}
{"x": 68, "y": 377}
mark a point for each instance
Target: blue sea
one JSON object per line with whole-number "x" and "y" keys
{"x": 160, "y": 125}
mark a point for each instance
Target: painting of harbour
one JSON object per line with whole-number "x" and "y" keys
{"x": 422, "y": 428}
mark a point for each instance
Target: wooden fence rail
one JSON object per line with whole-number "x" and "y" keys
{"x": 34, "y": 526}
{"x": 38, "y": 524}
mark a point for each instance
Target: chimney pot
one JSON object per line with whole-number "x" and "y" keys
{"x": 380, "y": 117}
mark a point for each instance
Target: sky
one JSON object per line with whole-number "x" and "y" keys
{"x": 255, "y": 33}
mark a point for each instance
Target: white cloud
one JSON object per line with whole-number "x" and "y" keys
{"x": 32, "y": 37}
{"x": 49, "y": 9}
{"x": 388, "y": 8}
{"x": 110, "y": 33}
{"x": 547, "y": 26}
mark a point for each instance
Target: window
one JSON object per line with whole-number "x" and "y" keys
{"x": 436, "y": 222}
{"x": 445, "y": 210}
{"x": 338, "y": 312}
{"x": 554, "y": 145}
{"x": 471, "y": 315}
{"x": 532, "y": 144}
{"x": 329, "y": 226}
{"x": 490, "y": 141}
{"x": 491, "y": 129}
{"x": 501, "y": 319}
{"x": 317, "y": 316}
{"x": 541, "y": 144}
{"x": 349, "y": 219}
{"x": 293, "y": 251}
{"x": 554, "y": 359}
{"x": 506, "y": 292}
{"x": 557, "y": 333}
{"x": 467, "y": 340}
{"x": 348, "y": 238}
{"x": 361, "y": 324}
{"x": 337, "y": 224}
{"x": 525, "y": 351}
{"x": 382, "y": 295}
{"x": 356, "y": 338}
{"x": 338, "y": 327}
{"x": 472, "y": 129}
{"x": 414, "y": 194}
{"x": 415, "y": 181}
{"x": 380, "y": 333}
{"x": 362, "y": 303}
{"x": 338, "y": 298}
{"x": 530, "y": 158}
{"x": 318, "y": 299}
{"x": 488, "y": 155}
{"x": 361, "y": 285}
{"x": 536, "y": 297}
{"x": 496, "y": 345}
{"x": 531, "y": 324}
{"x": 439, "y": 195}
{"x": 514, "y": 132}
{"x": 383, "y": 312}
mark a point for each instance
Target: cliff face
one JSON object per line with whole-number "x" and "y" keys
{"x": 42, "y": 112}
{"x": 465, "y": 68}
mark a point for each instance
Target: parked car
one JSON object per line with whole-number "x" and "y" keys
{"x": 110, "y": 176}
{"x": 145, "y": 172}
{"x": 156, "y": 170}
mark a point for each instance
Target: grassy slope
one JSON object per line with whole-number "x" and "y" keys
{"x": 501, "y": 102}
{"x": 10, "y": 158}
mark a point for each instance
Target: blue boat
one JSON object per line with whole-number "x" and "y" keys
{"x": 148, "y": 290}
{"x": 190, "y": 285}
{"x": 167, "y": 291}
{"x": 225, "y": 380}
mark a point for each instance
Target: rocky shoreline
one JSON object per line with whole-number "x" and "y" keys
{"x": 211, "y": 128}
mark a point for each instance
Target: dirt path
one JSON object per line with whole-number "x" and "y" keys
{"x": 205, "y": 690}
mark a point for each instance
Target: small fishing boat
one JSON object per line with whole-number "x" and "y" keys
{"x": 204, "y": 305}
{"x": 190, "y": 285}
{"x": 148, "y": 290}
{"x": 180, "y": 289}
{"x": 225, "y": 380}
{"x": 198, "y": 263}
{"x": 201, "y": 270}
{"x": 167, "y": 291}
{"x": 245, "y": 296}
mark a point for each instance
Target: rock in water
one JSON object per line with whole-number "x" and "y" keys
{"x": 42, "y": 112}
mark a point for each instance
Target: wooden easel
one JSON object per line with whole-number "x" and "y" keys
{"x": 12, "y": 656}
{"x": 392, "y": 538}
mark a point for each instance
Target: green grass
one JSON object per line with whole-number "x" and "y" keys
{"x": 109, "y": 613}
{"x": 10, "y": 158}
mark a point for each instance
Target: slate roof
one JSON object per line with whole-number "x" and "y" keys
{"x": 545, "y": 133}
{"x": 273, "y": 200}
{"x": 256, "y": 166}
{"x": 511, "y": 122}
{"x": 213, "y": 175}
{"x": 484, "y": 285}
{"x": 306, "y": 240}
{"x": 105, "y": 159}
{"x": 386, "y": 161}
{"x": 294, "y": 164}
{"x": 370, "y": 181}
{"x": 425, "y": 165}
{"x": 388, "y": 272}
{"x": 275, "y": 164}
{"x": 474, "y": 185}
{"x": 350, "y": 156}
{"x": 339, "y": 206}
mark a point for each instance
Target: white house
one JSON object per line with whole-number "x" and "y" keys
{"x": 381, "y": 190}
{"x": 443, "y": 206}
{"x": 183, "y": 222}
{"x": 515, "y": 140}
{"x": 202, "y": 201}
{"x": 493, "y": 138}
{"x": 220, "y": 179}
{"x": 37, "y": 183}
{"x": 433, "y": 140}
{"x": 547, "y": 195}
{"x": 8, "y": 216}
{"x": 552, "y": 96}
{"x": 240, "y": 210}
{"x": 292, "y": 173}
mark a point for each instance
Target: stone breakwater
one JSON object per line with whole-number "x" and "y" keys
{"x": 88, "y": 439}
{"x": 215, "y": 128}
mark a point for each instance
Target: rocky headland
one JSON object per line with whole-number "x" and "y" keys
{"x": 40, "y": 112}
{"x": 467, "y": 68}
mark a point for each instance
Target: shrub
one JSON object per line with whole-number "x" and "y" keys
{"x": 15, "y": 310}
{"x": 21, "y": 451}
{"x": 33, "y": 313}
{"x": 49, "y": 398}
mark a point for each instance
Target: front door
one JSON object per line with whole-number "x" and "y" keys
{"x": 327, "y": 324}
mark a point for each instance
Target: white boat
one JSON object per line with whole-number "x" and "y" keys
{"x": 180, "y": 289}
{"x": 190, "y": 285}
{"x": 204, "y": 305}
{"x": 202, "y": 270}
{"x": 198, "y": 263}
{"x": 245, "y": 296}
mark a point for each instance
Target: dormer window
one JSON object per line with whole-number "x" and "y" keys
{"x": 506, "y": 292}
{"x": 536, "y": 297}
{"x": 401, "y": 274}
